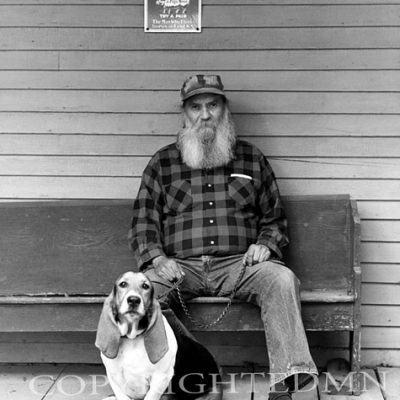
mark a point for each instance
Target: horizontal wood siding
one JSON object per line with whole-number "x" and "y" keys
{"x": 86, "y": 97}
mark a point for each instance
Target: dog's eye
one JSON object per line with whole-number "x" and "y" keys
{"x": 145, "y": 286}
{"x": 123, "y": 284}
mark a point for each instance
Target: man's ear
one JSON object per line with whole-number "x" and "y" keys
{"x": 108, "y": 335}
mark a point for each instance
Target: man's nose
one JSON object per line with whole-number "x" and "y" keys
{"x": 205, "y": 113}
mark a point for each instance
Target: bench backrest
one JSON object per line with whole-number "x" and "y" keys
{"x": 323, "y": 233}
{"x": 79, "y": 248}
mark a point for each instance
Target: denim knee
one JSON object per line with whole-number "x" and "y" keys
{"x": 287, "y": 278}
{"x": 279, "y": 276}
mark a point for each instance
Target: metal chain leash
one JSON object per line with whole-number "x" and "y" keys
{"x": 175, "y": 286}
{"x": 203, "y": 325}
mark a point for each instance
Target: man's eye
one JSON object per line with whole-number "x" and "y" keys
{"x": 213, "y": 105}
{"x": 145, "y": 286}
{"x": 123, "y": 284}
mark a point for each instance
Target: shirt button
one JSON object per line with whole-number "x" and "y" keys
{"x": 211, "y": 203}
{"x": 212, "y": 242}
{"x": 209, "y": 185}
{"x": 211, "y": 221}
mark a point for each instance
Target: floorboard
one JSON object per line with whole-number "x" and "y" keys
{"x": 27, "y": 382}
{"x": 88, "y": 382}
{"x": 370, "y": 388}
{"x": 81, "y": 382}
{"x": 237, "y": 383}
{"x": 390, "y": 381}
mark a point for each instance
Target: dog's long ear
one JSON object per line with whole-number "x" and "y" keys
{"x": 108, "y": 335}
{"x": 155, "y": 339}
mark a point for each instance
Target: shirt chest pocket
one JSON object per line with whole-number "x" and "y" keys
{"x": 178, "y": 196}
{"x": 242, "y": 191}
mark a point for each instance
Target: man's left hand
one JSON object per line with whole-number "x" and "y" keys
{"x": 257, "y": 253}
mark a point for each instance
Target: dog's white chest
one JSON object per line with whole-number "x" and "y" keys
{"x": 131, "y": 369}
{"x": 132, "y": 372}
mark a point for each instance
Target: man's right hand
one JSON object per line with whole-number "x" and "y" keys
{"x": 167, "y": 268}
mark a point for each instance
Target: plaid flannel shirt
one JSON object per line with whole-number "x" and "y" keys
{"x": 182, "y": 212}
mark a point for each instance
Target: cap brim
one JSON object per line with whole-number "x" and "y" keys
{"x": 202, "y": 91}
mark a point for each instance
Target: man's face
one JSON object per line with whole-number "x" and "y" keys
{"x": 205, "y": 109}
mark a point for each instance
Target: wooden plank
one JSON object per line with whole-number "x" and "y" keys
{"x": 14, "y": 60}
{"x": 256, "y": 338}
{"x": 359, "y": 189}
{"x": 38, "y": 229}
{"x": 381, "y": 273}
{"x": 245, "y": 318}
{"x": 81, "y": 382}
{"x": 21, "y": 382}
{"x": 211, "y": 60}
{"x": 380, "y": 231}
{"x": 139, "y": 145}
{"x": 61, "y": 238}
{"x": 389, "y": 379}
{"x": 229, "y": 39}
{"x": 381, "y": 357}
{"x": 283, "y": 168}
{"x": 33, "y": 348}
{"x": 307, "y": 167}
{"x": 239, "y": 355}
{"x": 49, "y": 353}
{"x": 379, "y": 209}
{"x": 48, "y": 337}
{"x": 169, "y": 124}
{"x": 167, "y": 102}
{"x": 87, "y": 353}
{"x": 21, "y": 187}
{"x": 380, "y": 337}
{"x": 213, "y": 16}
{"x": 47, "y": 317}
{"x": 380, "y": 252}
{"x": 64, "y": 318}
{"x": 378, "y": 293}
{"x": 69, "y": 187}
{"x": 381, "y": 315}
{"x": 71, "y": 165}
{"x": 237, "y": 383}
{"x": 370, "y": 388}
{"x": 82, "y": 144}
{"x": 342, "y": 81}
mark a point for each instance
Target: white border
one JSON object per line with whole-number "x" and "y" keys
{"x": 199, "y": 21}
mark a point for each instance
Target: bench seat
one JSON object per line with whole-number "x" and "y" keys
{"x": 59, "y": 260}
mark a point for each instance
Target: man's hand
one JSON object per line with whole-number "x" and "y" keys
{"x": 257, "y": 253}
{"x": 167, "y": 268}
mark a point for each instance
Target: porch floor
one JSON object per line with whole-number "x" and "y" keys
{"x": 88, "y": 382}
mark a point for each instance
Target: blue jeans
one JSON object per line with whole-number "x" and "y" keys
{"x": 270, "y": 285}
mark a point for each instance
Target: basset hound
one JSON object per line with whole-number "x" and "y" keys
{"x": 145, "y": 358}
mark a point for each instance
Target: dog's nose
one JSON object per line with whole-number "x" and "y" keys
{"x": 133, "y": 300}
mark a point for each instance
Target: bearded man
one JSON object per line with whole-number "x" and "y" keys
{"x": 209, "y": 203}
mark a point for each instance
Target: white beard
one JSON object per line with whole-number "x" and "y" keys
{"x": 205, "y": 146}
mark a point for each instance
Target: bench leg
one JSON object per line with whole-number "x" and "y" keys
{"x": 355, "y": 360}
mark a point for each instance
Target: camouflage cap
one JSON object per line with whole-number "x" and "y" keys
{"x": 198, "y": 84}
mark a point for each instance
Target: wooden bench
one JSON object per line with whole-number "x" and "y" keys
{"x": 59, "y": 260}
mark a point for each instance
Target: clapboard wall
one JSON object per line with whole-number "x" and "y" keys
{"x": 86, "y": 97}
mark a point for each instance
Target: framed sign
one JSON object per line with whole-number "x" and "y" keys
{"x": 172, "y": 15}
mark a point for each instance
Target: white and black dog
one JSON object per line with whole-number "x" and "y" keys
{"x": 147, "y": 357}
